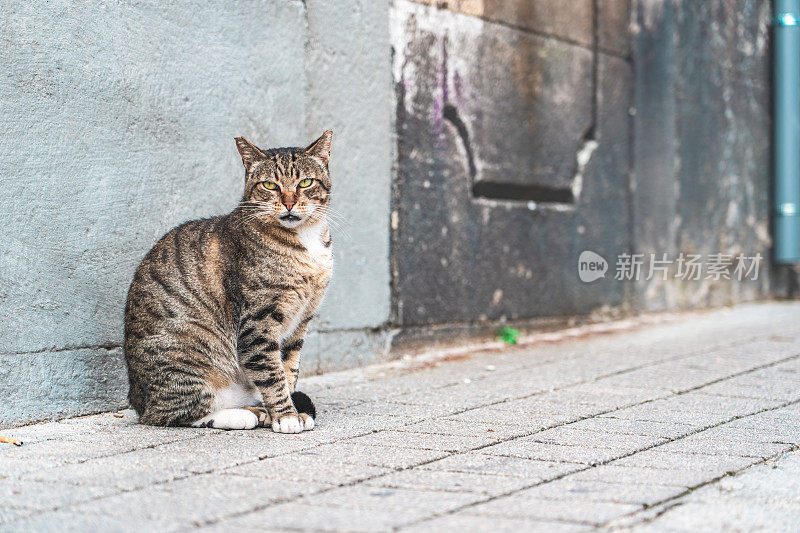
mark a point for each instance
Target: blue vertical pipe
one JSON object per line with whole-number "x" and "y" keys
{"x": 786, "y": 87}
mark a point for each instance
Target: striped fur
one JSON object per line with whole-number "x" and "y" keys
{"x": 218, "y": 309}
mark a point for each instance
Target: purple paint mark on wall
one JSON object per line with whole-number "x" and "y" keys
{"x": 444, "y": 74}
{"x": 458, "y": 85}
{"x": 441, "y": 98}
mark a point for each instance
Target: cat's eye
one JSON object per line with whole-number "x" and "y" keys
{"x": 271, "y": 185}
{"x": 304, "y": 183}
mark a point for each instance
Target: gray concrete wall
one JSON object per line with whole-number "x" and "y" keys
{"x": 117, "y": 124}
{"x": 349, "y": 90}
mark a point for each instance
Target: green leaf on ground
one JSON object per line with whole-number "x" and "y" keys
{"x": 508, "y": 335}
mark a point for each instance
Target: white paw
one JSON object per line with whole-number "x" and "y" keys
{"x": 307, "y": 421}
{"x": 229, "y": 419}
{"x": 287, "y": 424}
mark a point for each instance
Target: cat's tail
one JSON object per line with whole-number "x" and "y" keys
{"x": 303, "y": 404}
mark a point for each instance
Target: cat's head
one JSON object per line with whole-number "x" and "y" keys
{"x": 287, "y": 186}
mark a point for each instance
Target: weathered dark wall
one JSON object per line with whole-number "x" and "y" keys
{"x": 513, "y": 157}
{"x": 530, "y": 131}
{"x": 702, "y": 142}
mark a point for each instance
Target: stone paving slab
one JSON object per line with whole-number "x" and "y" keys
{"x": 462, "y": 522}
{"x": 445, "y": 481}
{"x": 602, "y": 491}
{"x": 665, "y": 460}
{"x": 477, "y": 463}
{"x": 524, "y": 505}
{"x": 690, "y": 423}
{"x": 764, "y": 497}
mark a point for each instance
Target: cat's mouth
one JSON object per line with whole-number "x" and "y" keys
{"x": 290, "y": 217}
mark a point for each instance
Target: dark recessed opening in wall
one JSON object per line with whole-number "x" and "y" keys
{"x": 502, "y": 191}
{"x": 512, "y": 191}
{"x": 450, "y": 113}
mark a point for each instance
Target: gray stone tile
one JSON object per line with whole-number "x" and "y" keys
{"x": 528, "y": 448}
{"x": 760, "y": 498}
{"x": 445, "y": 426}
{"x": 668, "y": 415}
{"x": 778, "y": 485}
{"x": 524, "y": 506}
{"x": 539, "y": 405}
{"x": 313, "y": 517}
{"x": 9, "y": 515}
{"x": 425, "y": 441}
{"x": 495, "y": 524}
{"x": 753, "y": 388}
{"x": 328, "y": 403}
{"x": 441, "y": 480}
{"x": 51, "y": 494}
{"x": 532, "y": 420}
{"x": 763, "y": 429}
{"x": 698, "y": 444}
{"x": 461, "y": 395}
{"x": 135, "y": 437}
{"x": 47, "y": 454}
{"x": 413, "y": 504}
{"x": 699, "y": 400}
{"x": 123, "y": 472}
{"x": 681, "y": 477}
{"x": 310, "y": 465}
{"x": 175, "y": 459}
{"x": 622, "y": 426}
{"x": 411, "y": 413}
{"x": 665, "y": 460}
{"x": 42, "y": 432}
{"x": 532, "y": 470}
{"x": 730, "y": 432}
{"x": 383, "y": 456}
{"x": 570, "y": 436}
{"x": 231, "y": 448}
{"x": 598, "y": 395}
{"x": 68, "y": 521}
{"x": 664, "y": 375}
{"x": 726, "y": 516}
{"x": 343, "y": 425}
{"x": 770, "y": 418}
{"x": 569, "y": 489}
{"x": 198, "y": 499}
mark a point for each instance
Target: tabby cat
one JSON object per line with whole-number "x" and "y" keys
{"x": 218, "y": 309}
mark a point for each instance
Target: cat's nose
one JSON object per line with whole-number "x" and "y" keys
{"x": 289, "y": 204}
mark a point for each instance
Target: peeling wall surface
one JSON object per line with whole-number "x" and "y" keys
{"x": 531, "y": 131}
{"x": 702, "y": 142}
{"x": 513, "y": 157}
{"x": 480, "y": 147}
{"x": 118, "y": 124}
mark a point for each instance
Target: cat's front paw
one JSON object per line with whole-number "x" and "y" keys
{"x": 287, "y": 424}
{"x": 307, "y": 421}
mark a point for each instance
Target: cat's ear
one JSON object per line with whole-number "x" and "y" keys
{"x": 250, "y": 154}
{"x": 322, "y": 147}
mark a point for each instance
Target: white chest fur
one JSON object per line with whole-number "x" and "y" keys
{"x": 311, "y": 239}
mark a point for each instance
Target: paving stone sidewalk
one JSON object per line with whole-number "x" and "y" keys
{"x": 691, "y": 424}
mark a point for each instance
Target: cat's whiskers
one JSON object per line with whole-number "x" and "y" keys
{"x": 335, "y": 220}
{"x": 340, "y": 224}
{"x": 254, "y": 209}
{"x": 252, "y": 213}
